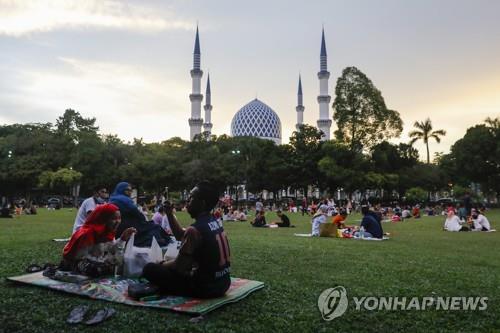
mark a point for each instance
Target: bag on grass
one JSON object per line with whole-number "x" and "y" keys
{"x": 135, "y": 258}
{"x": 328, "y": 230}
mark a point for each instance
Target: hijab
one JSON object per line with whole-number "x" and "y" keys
{"x": 93, "y": 231}
{"x": 119, "y": 197}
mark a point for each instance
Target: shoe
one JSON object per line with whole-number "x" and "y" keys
{"x": 101, "y": 316}
{"x": 76, "y": 315}
{"x": 140, "y": 290}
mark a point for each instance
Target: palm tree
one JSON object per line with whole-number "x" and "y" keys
{"x": 424, "y": 132}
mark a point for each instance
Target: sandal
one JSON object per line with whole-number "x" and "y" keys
{"x": 76, "y": 315}
{"x": 101, "y": 316}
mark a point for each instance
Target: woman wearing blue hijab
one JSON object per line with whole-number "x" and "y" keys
{"x": 132, "y": 217}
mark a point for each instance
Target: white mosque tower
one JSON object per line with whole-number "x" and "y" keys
{"x": 324, "y": 121}
{"x": 207, "y": 125}
{"x": 300, "y": 107}
{"x": 195, "y": 122}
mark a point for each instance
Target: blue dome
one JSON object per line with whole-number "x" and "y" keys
{"x": 257, "y": 119}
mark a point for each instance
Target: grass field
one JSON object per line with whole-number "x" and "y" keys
{"x": 419, "y": 260}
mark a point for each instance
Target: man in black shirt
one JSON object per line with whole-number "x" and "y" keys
{"x": 202, "y": 268}
{"x": 285, "y": 221}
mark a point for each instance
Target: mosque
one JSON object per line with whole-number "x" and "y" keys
{"x": 256, "y": 118}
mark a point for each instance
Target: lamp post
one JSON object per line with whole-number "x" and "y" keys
{"x": 236, "y": 152}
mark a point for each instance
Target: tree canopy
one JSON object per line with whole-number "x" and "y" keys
{"x": 360, "y": 112}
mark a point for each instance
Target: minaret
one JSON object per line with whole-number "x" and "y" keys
{"x": 300, "y": 107}
{"x": 207, "y": 126}
{"x": 196, "y": 97}
{"x": 324, "y": 121}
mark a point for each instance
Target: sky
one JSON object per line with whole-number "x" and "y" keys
{"x": 127, "y": 63}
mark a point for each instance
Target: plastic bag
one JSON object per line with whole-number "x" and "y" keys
{"x": 172, "y": 250}
{"x": 135, "y": 258}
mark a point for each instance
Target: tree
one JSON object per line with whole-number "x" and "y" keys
{"x": 477, "y": 155}
{"x": 342, "y": 167}
{"x": 416, "y": 195}
{"x": 424, "y": 132}
{"x": 60, "y": 179}
{"x": 305, "y": 153}
{"x": 360, "y": 112}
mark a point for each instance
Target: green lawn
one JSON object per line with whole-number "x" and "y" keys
{"x": 419, "y": 260}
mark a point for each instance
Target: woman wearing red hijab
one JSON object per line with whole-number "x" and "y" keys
{"x": 92, "y": 250}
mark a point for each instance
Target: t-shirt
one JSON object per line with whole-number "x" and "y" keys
{"x": 338, "y": 219}
{"x": 87, "y": 206}
{"x": 206, "y": 242}
{"x": 452, "y": 223}
{"x": 372, "y": 225}
{"x": 285, "y": 221}
{"x": 481, "y": 222}
{"x": 157, "y": 218}
{"x": 259, "y": 206}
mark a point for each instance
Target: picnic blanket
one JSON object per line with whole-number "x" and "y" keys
{"x": 357, "y": 238}
{"x": 114, "y": 289}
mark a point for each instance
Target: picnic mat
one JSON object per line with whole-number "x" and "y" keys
{"x": 115, "y": 290}
{"x": 357, "y": 238}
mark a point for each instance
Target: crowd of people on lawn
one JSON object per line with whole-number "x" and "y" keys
{"x": 104, "y": 223}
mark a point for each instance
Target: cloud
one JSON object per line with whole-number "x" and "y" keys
{"x": 26, "y": 17}
{"x": 131, "y": 101}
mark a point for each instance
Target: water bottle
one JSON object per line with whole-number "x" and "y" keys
{"x": 362, "y": 232}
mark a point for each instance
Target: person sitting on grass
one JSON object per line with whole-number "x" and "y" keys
{"x": 132, "y": 217}
{"x": 5, "y": 212}
{"x": 406, "y": 214}
{"x": 340, "y": 218}
{"x": 260, "y": 220}
{"x": 481, "y": 223}
{"x": 371, "y": 224}
{"x": 318, "y": 219}
{"x": 88, "y": 205}
{"x": 452, "y": 222}
{"x": 240, "y": 215}
{"x": 284, "y": 220}
{"x": 158, "y": 216}
{"x": 416, "y": 212}
{"x": 202, "y": 268}
{"x": 92, "y": 250}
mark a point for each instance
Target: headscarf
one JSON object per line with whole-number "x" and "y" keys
{"x": 323, "y": 210}
{"x": 93, "y": 231}
{"x": 119, "y": 197}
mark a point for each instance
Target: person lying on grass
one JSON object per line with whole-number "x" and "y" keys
{"x": 452, "y": 222}
{"x": 284, "y": 221}
{"x": 93, "y": 250}
{"x": 202, "y": 268}
{"x": 260, "y": 220}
